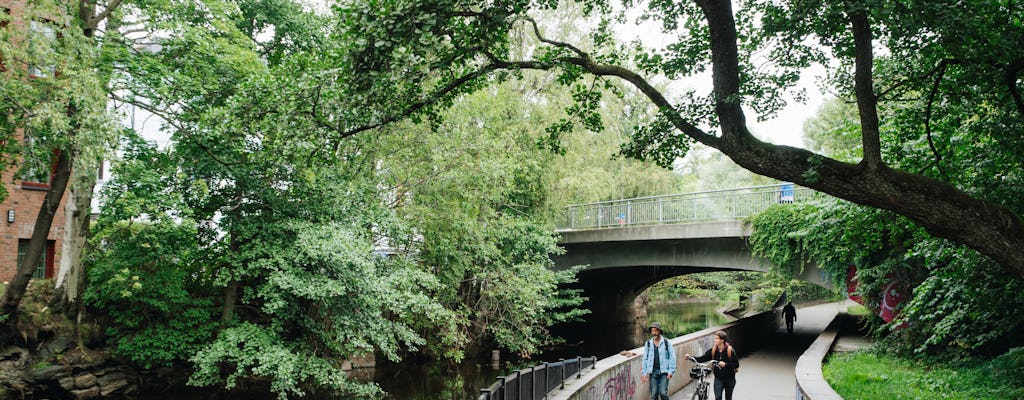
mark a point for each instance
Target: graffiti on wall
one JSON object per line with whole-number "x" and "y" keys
{"x": 619, "y": 384}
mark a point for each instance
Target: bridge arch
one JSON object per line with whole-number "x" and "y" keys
{"x": 622, "y": 262}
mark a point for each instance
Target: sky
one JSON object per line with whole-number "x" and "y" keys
{"x": 787, "y": 126}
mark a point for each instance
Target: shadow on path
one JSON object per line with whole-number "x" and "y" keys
{"x": 769, "y": 373}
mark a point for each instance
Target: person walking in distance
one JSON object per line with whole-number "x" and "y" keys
{"x": 659, "y": 363}
{"x": 726, "y": 367}
{"x": 789, "y": 312}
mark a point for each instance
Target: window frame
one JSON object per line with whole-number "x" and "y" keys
{"x": 53, "y": 34}
{"x": 29, "y": 183}
{"x": 45, "y": 264}
{"x": 3, "y": 25}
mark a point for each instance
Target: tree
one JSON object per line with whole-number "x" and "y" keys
{"x": 958, "y": 301}
{"x": 475, "y": 191}
{"x": 419, "y": 56}
{"x": 65, "y": 111}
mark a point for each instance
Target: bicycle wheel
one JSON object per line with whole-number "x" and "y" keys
{"x": 701, "y": 391}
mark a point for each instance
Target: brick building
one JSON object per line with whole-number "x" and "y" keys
{"x": 26, "y": 183}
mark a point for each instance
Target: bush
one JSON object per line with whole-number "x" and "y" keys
{"x": 139, "y": 278}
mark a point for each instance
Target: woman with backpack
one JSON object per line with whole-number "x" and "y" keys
{"x": 725, "y": 368}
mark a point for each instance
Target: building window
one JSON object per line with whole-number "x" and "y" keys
{"x": 5, "y": 18}
{"x": 45, "y": 267}
{"x": 37, "y": 165}
{"x": 42, "y": 42}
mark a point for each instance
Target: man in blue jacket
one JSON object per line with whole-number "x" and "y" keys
{"x": 659, "y": 363}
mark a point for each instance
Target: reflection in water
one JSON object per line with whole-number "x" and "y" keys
{"x": 437, "y": 381}
{"x": 680, "y": 319}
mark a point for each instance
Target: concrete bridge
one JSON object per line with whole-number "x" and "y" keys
{"x": 655, "y": 238}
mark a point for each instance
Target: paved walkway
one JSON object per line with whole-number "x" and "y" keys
{"x": 768, "y": 374}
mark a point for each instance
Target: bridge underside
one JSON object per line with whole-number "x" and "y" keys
{"x": 619, "y": 270}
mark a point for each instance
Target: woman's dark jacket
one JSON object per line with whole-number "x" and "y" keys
{"x": 731, "y": 363}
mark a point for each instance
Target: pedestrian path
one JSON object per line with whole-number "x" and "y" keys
{"x": 768, "y": 373}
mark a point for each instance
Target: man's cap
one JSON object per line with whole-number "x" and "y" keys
{"x": 654, "y": 325}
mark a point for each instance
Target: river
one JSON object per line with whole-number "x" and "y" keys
{"x": 463, "y": 382}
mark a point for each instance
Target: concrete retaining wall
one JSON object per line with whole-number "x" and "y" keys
{"x": 618, "y": 377}
{"x": 810, "y": 382}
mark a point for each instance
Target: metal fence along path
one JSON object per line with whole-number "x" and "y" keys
{"x": 682, "y": 208}
{"x": 536, "y": 382}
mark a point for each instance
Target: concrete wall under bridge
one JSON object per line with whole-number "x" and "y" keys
{"x": 618, "y": 377}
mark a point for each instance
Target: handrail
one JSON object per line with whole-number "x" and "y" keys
{"x": 536, "y": 382}
{"x": 710, "y": 205}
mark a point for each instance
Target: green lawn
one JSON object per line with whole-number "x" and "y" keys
{"x": 866, "y": 375}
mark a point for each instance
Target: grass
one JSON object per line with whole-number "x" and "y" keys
{"x": 867, "y": 375}
{"x": 858, "y": 310}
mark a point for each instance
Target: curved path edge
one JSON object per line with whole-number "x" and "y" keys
{"x": 810, "y": 381}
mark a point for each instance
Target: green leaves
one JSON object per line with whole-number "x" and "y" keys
{"x": 255, "y": 350}
{"x": 141, "y": 278}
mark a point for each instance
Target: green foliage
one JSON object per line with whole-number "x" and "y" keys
{"x": 757, "y": 290}
{"x": 876, "y": 375}
{"x": 519, "y": 293}
{"x": 141, "y": 278}
{"x": 961, "y": 304}
{"x": 964, "y": 306}
{"x": 835, "y": 131}
{"x": 252, "y": 350}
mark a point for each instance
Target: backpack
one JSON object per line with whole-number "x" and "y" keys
{"x": 728, "y": 351}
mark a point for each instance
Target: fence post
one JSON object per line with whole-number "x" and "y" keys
{"x": 485, "y": 394}
{"x": 519, "y": 386}
{"x": 661, "y": 211}
{"x": 562, "y": 383}
{"x": 501, "y": 388}
{"x": 629, "y": 212}
{"x": 533, "y": 382}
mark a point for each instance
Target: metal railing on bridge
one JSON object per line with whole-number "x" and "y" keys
{"x": 686, "y": 207}
{"x": 536, "y": 382}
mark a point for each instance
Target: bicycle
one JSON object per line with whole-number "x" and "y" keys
{"x": 700, "y": 372}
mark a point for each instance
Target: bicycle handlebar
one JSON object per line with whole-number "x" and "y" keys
{"x": 706, "y": 364}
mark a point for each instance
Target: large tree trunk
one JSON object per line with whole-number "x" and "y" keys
{"x": 37, "y": 244}
{"x": 71, "y": 274}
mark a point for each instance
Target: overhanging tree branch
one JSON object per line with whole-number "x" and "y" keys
{"x": 942, "y": 65}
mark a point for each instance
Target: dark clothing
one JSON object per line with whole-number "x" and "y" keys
{"x": 727, "y": 385}
{"x": 657, "y": 359}
{"x": 731, "y": 363}
{"x": 725, "y": 377}
{"x": 789, "y": 312}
